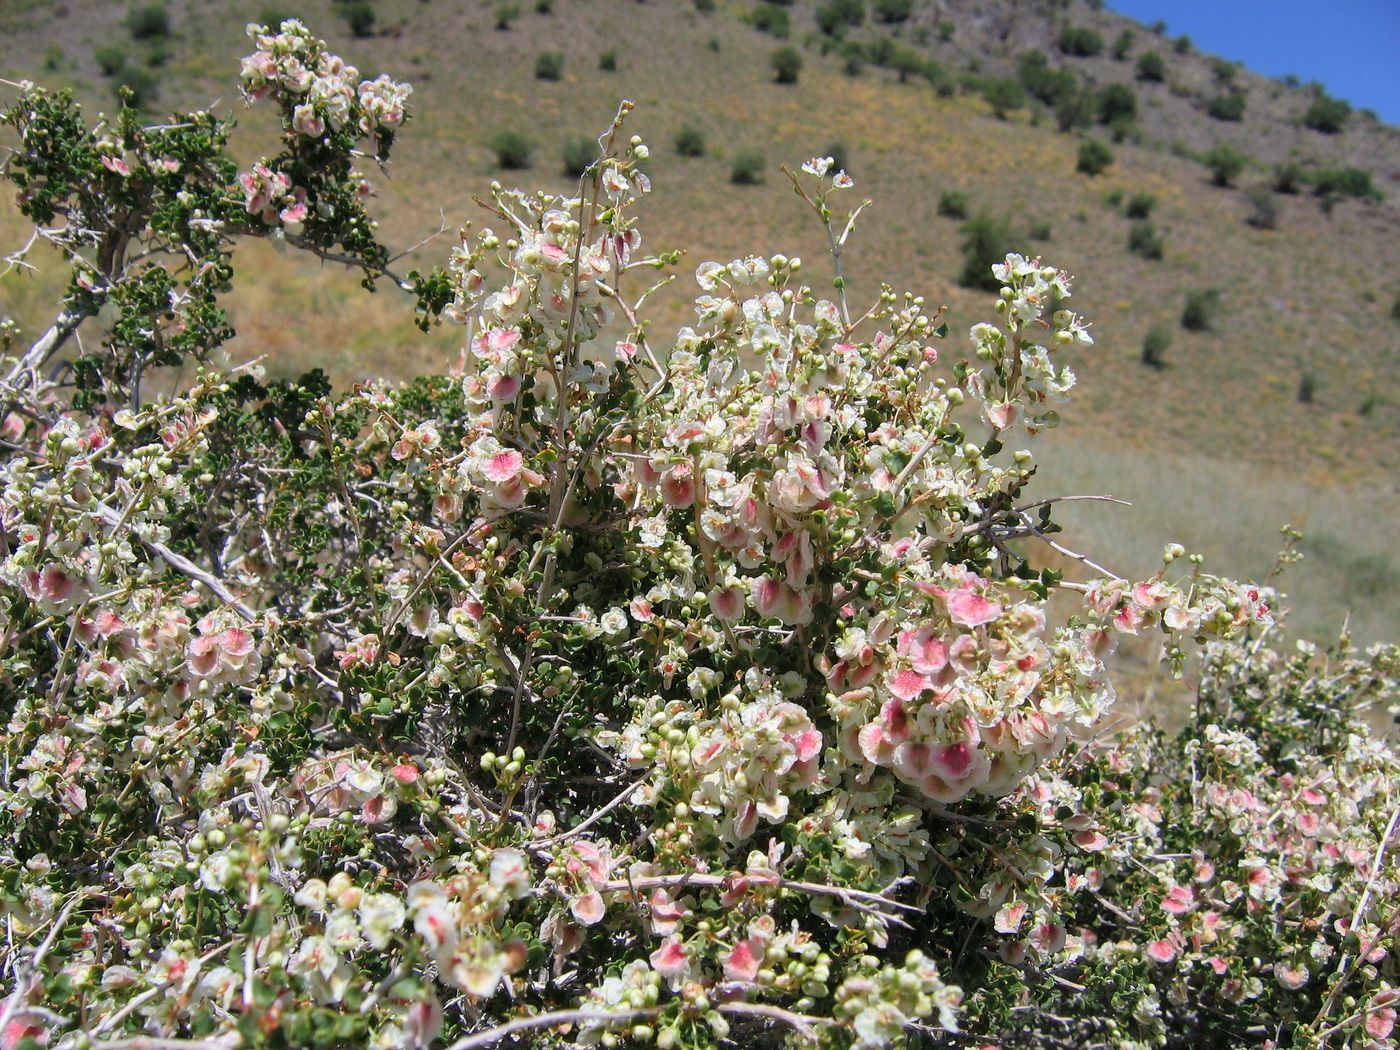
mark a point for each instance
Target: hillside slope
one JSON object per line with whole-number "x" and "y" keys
{"x": 1211, "y": 446}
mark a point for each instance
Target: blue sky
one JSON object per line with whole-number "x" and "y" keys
{"x": 1351, "y": 46}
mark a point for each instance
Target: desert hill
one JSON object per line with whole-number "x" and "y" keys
{"x": 1284, "y": 406}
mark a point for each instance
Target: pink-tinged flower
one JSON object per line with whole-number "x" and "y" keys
{"x": 970, "y": 609}
{"x": 1004, "y": 415}
{"x": 746, "y": 819}
{"x": 362, "y": 650}
{"x": 678, "y": 487}
{"x": 1091, "y": 841}
{"x": 19, "y": 1028}
{"x": 671, "y": 959}
{"x": 1179, "y": 900}
{"x": 1289, "y": 977}
{"x": 908, "y": 685}
{"x": 1128, "y": 618}
{"x": 1013, "y": 953}
{"x": 553, "y": 256}
{"x": 1178, "y": 619}
{"x": 202, "y": 657}
{"x": 732, "y": 890}
{"x": 378, "y": 809}
{"x": 641, "y": 610}
{"x": 665, "y": 913}
{"x": 1048, "y": 937}
{"x": 742, "y": 962}
{"x": 236, "y": 642}
{"x": 947, "y": 792}
{"x": 626, "y": 351}
{"x": 305, "y": 121}
{"x": 1381, "y": 1023}
{"x": 476, "y": 969}
{"x": 954, "y": 761}
{"x": 503, "y": 389}
{"x": 874, "y": 745}
{"x": 775, "y": 598}
{"x": 597, "y": 860}
{"x": 1010, "y": 916}
{"x": 405, "y": 773}
{"x": 262, "y": 189}
{"x": 422, "y": 1022}
{"x": 588, "y": 909}
{"x": 807, "y": 743}
{"x": 925, "y": 649}
{"x": 963, "y": 654}
{"x": 727, "y": 603}
{"x": 895, "y": 720}
{"x": 956, "y": 769}
{"x": 116, "y": 165}
{"x": 491, "y": 344}
{"x": 434, "y": 923}
{"x": 1163, "y": 951}
{"x": 913, "y": 761}
{"x": 53, "y": 587}
{"x": 504, "y": 466}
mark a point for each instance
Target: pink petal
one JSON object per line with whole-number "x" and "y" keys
{"x": 504, "y": 388}
{"x": 504, "y": 466}
{"x": 1381, "y": 1023}
{"x": 727, "y": 602}
{"x": 896, "y": 720}
{"x": 971, "y": 609}
{"x": 670, "y": 959}
{"x": 907, "y": 685}
{"x": 809, "y": 744}
{"x": 589, "y": 908}
{"x": 872, "y": 742}
{"x": 954, "y": 760}
{"x": 742, "y": 962}
{"x": 914, "y": 761}
{"x": 1161, "y": 951}
{"x": 766, "y": 596}
{"x": 236, "y": 641}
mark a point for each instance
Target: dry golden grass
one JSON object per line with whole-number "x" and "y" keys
{"x": 1216, "y": 448}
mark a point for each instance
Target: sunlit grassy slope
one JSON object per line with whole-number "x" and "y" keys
{"x": 1215, "y": 450}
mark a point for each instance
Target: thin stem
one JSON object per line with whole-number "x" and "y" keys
{"x": 551, "y": 1019}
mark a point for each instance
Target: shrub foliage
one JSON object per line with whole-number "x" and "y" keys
{"x": 1094, "y": 157}
{"x": 682, "y": 690}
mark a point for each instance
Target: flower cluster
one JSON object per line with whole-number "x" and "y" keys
{"x": 752, "y": 758}
{"x": 883, "y": 1004}
{"x": 323, "y": 92}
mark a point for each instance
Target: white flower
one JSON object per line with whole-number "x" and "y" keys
{"x": 312, "y": 894}
{"x": 707, "y": 275}
{"x": 380, "y": 915}
{"x": 614, "y": 621}
{"x": 216, "y": 872}
{"x": 343, "y": 930}
{"x": 510, "y": 872}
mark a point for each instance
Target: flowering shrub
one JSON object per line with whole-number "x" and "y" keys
{"x": 613, "y": 689}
